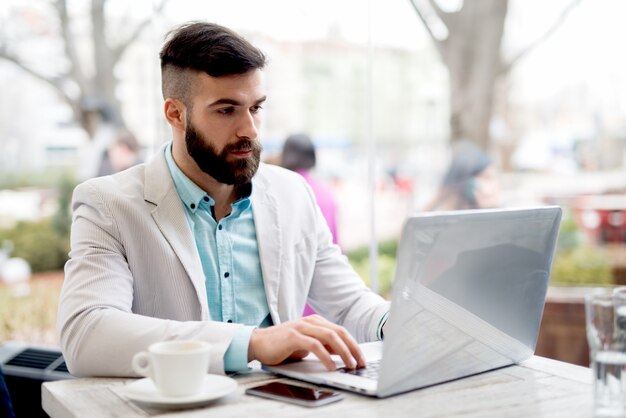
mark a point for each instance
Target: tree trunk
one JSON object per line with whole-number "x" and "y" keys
{"x": 472, "y": 54}
{"x": 102, "y": 89}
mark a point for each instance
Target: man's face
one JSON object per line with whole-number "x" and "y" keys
{"x": 236, "y": 171}
{"x": 487, "y": 191}
{"x": 223, "y": 124}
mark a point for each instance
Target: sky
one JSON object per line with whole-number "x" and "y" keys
{"x": 581, "y": 59}
{"x": 393, "y": 22}
{"x": 585, "y": 49}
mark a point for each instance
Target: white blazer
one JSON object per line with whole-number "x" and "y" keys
{"x": 134, "y": 276}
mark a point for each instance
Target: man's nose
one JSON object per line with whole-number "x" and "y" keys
{"x": 248, "y": 127}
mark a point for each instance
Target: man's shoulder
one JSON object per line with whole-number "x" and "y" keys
{"x": 124, "y": 183}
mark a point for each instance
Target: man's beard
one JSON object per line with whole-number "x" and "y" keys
{"x": 238, "y": 172}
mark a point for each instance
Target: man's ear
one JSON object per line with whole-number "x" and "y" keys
{"x": 175, "y": 113}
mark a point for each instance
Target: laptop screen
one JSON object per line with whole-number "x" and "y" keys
{"x": 495, "y": 265}
{"x": 469, "y": 290}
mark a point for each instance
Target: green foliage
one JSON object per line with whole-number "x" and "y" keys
{"x": 45, "y": 244}
{"x": 386, "y": 270}
{"x": 384, "y": 248}
{"x": 39, "y": 243}
{"x": 360, "y": 261}
{"x": 582, "y": 265}
{"x": 50, "y": 177}
{"x": 570, "y": 236}
{"x": 576, "y": 263}
{"x": 62, "y": 219}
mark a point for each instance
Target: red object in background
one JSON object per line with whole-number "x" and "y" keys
{"x": 602, "y": 217}
{"x": 404, "y": 184}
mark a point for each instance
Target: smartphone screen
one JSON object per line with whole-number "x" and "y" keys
{"x": 295, "y": 394}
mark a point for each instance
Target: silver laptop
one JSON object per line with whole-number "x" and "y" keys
{"x": 468, "y": 297}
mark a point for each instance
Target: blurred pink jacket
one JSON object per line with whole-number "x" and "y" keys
{"x": 326, "y": 202}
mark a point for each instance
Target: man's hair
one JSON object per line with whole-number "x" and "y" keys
{"x": 204, "y": 47}
{"x": 298, "y": 152}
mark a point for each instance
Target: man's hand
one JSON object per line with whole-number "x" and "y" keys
{"x": 296, "y": 339}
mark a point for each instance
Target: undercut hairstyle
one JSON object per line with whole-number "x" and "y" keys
{"x": 203, "y": 47}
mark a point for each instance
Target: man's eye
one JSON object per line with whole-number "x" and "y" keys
{"x": 226, "y": 110}
{"x": 256, "y": 109}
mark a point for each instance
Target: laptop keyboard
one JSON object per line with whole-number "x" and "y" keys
{"x": 370, "y": 370}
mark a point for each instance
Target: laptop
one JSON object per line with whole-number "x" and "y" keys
{"x": 468, "y": 297}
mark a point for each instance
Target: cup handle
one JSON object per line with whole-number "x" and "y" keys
{"x": 141, "y": 364}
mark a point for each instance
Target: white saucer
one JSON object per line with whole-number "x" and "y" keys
{"x": 144, "y": 392}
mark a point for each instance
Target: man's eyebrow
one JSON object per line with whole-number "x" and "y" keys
{"x": 233, "y": 102}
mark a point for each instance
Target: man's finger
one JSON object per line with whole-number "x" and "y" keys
{"x": 317, "y": 348}
{"x": 330, "y": 338}
{"x": 349, "y": 341}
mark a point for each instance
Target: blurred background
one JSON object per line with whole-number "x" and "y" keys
{"x": 388, "y": 91}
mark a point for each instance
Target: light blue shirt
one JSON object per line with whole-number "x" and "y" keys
{"x": 230, "y": 259}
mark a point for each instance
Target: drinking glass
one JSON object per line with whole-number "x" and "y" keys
{"x": 605, "y": 314}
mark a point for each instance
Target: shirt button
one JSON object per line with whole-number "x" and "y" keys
{"x": 206, "y": 198}
{"x": 226, "y": 274}
{"x": 230, "y": 321}
{"x": 193, "y": 206}
{"x": 219, "y": 227}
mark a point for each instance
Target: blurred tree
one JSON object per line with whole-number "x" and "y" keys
{"x": 469, "y": 39}
{"x": 87, "y": 85}
{"x": 62, "y": 219}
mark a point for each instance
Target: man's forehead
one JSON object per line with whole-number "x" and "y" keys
{"x": 247, "y": 87}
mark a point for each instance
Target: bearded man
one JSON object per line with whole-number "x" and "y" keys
{"x": 203, "y": 241}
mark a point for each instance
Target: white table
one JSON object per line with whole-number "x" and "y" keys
{"x": 539, "y": 387}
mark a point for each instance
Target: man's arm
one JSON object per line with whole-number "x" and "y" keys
{"x": 340, "y": 294}
{"x": 336, "y": 291}
{"x": 108, "y": 313}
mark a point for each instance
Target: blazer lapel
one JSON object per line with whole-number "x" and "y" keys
{"x": 169, "y": 215}
{"x": 269, "y": 239}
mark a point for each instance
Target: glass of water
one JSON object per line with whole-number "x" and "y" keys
{"x": 605, "y": 314}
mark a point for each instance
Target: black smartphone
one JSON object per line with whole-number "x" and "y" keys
{"x": 298, "y": 395}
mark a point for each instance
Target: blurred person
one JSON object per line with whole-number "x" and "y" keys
{"x": 470, "y": 182}
{"x": 204, "y": 241}
{"x": 102, "y": 130}
{"x": 299, "y": 155}
{"x": 122, "y": 153}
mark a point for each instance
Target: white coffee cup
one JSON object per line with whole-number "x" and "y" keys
{"x": 177, "y": 368}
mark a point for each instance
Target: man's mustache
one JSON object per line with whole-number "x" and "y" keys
{"x": 242, "y": 145}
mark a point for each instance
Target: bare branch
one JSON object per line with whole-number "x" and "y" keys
{"x": 425, "y": 22}
{"x": 50, "y": 81}
{"x": 119, "y": 50}
{"x": 70, "y": 48}
{"x": 506, "y": 67}
{"x": 445, "y": 17}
